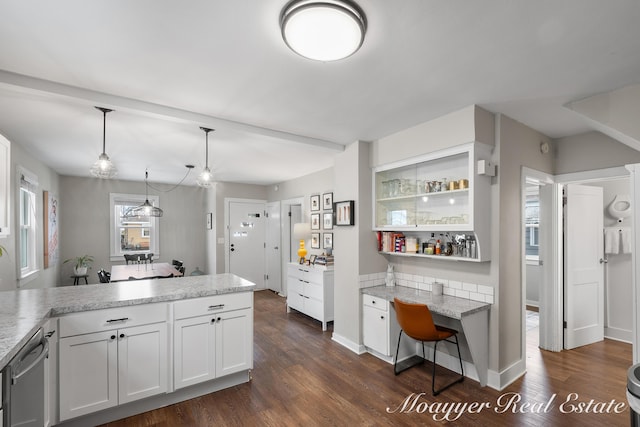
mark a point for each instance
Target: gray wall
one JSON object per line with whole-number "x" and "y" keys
{"x": 84, "y": 222}
{"x": 48, "y": 180}
{"x": 591, "y": 151}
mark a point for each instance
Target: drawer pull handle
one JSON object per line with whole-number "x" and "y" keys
{"x": 216, "y": 307}
{"x": 121, "y": 335}
{"x": 113, "y": 337}
{"x": 50, "y": 333}
{"x": 122, "y": 319}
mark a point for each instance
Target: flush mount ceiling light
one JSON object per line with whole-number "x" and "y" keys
{"x": 205, "y": 178}
{"x": 146, "y": 209}
{"x": 103, "y": 167}
{"x": 326, "y": 30}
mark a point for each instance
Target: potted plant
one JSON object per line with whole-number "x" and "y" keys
{"x": 2, "y": 250}
{"x": 81, "y": 264}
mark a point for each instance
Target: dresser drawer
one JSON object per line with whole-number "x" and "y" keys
{"x": 314, "y": 290}
{"x": 295, "y": 285}
{"x": 112, "y": 318}
{"x": 299, "y": 272}
{"x": 375, "y": 302}
{"x": 213, "y": 304}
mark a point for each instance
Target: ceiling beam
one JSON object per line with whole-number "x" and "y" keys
{"x": 92, "y": 97}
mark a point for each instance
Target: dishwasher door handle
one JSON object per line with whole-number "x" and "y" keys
{"x": 45, "y": 351}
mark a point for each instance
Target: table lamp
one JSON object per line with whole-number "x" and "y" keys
{"x": 301, "y": 231}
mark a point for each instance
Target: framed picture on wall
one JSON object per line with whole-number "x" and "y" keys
{"x": 343, "y": 212}
{"x": 327, "y": 220}
{"x": 315, "y": 221}
{"x": 327, "y": 201}
{"x": 327, "y": 240}
{"x": 315, "y": 240}
{"x": 315, "y": 202}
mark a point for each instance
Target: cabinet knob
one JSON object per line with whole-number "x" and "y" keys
{"x": 219, "y": 319}
{"x": 113, "y": 337}
{"x": 382, "y": 317}
{"x": 121, "y": 335}
{"x": 213, "y": 320}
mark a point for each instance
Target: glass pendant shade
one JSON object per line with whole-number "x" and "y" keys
{"x": 326, "y": 30}
{"x": 103, "y": 167}
{"x": 146, "y": 209}
{"x": 205, "y": 179}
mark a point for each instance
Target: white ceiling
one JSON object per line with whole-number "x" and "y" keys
{"x": 168, "y": 67}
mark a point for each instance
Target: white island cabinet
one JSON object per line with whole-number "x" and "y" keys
{"x": 111, "y": 357}
{"x": 213, "y": 337}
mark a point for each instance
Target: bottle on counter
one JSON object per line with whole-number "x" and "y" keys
{"x": 438, "y": 247}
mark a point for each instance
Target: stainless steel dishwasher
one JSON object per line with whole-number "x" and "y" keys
{"x": 23, "y": 384}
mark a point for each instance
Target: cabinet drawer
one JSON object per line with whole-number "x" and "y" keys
{"x": 314, "y": 308}
{"x": 213, "y": 304}
{"x": 313, "y": 290}
{"x": 294, "y": 285}
{"x": 296, "y": 301}
{"x": 112, "y": 318}
{"x": 375, "y": 302}
{"x": 299, "y": 272}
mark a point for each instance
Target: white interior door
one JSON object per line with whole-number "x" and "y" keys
{"x": 247, "y": 240}
{"x": 274, "y": 247}
{"x": 583, "y": 254}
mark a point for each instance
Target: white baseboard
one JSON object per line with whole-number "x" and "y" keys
{"x": 500, "y": 380}
{"x": 618, "y": 334}
{"x": 355, "y": 347}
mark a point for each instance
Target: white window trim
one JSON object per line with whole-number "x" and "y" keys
{"x": 27, "y": 276}
{"x": 114, "y": 240}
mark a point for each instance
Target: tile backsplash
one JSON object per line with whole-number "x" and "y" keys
{"x": 456, "y": 288}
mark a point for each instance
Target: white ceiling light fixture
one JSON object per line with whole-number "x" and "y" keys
{"x": 103, "y": 167}
{"x": 205, "y": 178}
{"x": 326, "y": 30}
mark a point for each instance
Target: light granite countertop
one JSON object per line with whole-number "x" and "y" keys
{"x": 22, "y": 312}
{"x": 445, "y": 305}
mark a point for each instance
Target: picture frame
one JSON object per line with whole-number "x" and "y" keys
{"x": 327, "y": 240}
{"x": 312, "y": 259}
{"x": 327, "y": 201}
{"x": 327, "y": 220}
{"x": 315, "y": 221}
{"x": 315, "y": 202}
{"x": 209, "y": 220}
{"x": 315, "y": 240}
{"x": 343, "y": 213}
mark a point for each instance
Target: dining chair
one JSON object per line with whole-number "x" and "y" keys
{"x": 178, "y": 265}
{"x": 104, "y": 276}
{"x": 416, "y": 322}
{"x": 131, "y": 258}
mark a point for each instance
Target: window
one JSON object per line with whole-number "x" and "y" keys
{"x": 28, "y": 226}
{"x": 132, "y": 235}
{"x": 532, "y": 227}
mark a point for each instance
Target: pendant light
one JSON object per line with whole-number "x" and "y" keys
{"x": 103, "y": 167}
{"x": 325, "y": 30}
{"x": 205, "y": 179}
{"x": 146, "y": 209}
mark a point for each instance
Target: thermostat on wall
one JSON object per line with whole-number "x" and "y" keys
{"x": 486, "y": 168}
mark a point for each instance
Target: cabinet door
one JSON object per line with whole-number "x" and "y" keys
{"x": 88, "y": 373}
{"x": 51, "y": 374}
{"x": 375, "y": 330}
{"x": 194, "y": 351}
{"x": 234, "y": 342}
{"x": 295, "y": 299}
{"x": 142, "y": 361}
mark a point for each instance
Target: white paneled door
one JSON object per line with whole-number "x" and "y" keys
{"x": 584, "y": 268}
{"x": 274, "y": 248}
{"x": 247, "y": 240}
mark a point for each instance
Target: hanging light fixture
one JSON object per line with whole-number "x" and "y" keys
{"x": 326, "y": 30}
{"x": 103, "y": 167}
{"x": 146, "y": 209}
{"x": 205, "y": 178}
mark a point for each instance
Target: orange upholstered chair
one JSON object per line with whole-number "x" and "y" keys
{"x": 416, "y": 321}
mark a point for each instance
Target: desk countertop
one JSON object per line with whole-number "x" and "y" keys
{"x": 445, "y": 305}
{"x": 22, "y": 312}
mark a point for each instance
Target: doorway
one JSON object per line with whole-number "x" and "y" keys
{"x": 245, "y": 256}
{"x": 290, "y": 214}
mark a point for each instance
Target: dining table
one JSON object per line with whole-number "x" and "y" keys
{"x": 121, "y": 273}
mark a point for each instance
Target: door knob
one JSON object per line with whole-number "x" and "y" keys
{"x": 603, "y": 261}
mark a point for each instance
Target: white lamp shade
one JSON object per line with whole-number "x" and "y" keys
{"x": 301, "y": 231}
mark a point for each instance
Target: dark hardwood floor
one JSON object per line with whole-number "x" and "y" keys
{"x": 301, "y": 377}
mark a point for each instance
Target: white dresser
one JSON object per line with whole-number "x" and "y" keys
{"x": 310, "y": 291}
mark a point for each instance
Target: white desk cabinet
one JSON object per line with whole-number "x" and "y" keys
{"x": 111, "y": 357}
{"x": 380, "y": 329}
{"x": 213, "y": 337}
{"x": 310, "y": 291}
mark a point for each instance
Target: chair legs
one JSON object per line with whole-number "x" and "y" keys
{"x": 433, "y": 375}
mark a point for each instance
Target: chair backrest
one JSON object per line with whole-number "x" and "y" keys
{"x": 177, "y": 263}
{"x": 415, "y": 320}
{"x": 131, "y": 258}
{"x": 104, "y": 276}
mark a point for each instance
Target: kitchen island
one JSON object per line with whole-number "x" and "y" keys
{"x": 218, "y": 307}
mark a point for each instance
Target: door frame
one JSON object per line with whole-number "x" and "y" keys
{"x": 227, "y": 202}
{"x": 584, "y": 178}
{"x": 285, "y": 238}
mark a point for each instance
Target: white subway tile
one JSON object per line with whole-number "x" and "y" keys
{"x": 449, "y": 291}
{"x": 487, "y": 290}
{"x": 476, "y": 296}
{"x": 454, "y": 284}
{"x": 462, "y": 294}
{"x": 488, "y": 298}
{"x": 471, "y": 287}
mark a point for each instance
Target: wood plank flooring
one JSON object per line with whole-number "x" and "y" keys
{"x": 302, "y": 378}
